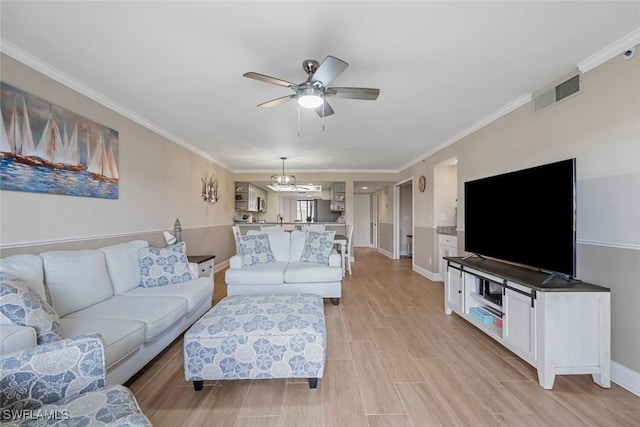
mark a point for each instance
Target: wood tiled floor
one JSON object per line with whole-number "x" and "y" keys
{"x": 393, "y": 359}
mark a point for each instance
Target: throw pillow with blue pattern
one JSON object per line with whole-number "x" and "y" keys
{"x": 317, "y": 246}
{"x": 164, "y": 266}
{"x": 256, "y": 249}
{"x": 25, "y": 307}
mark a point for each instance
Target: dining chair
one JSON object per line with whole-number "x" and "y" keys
{"x": 346, "y": 256}
{"x": 236, "y": 233}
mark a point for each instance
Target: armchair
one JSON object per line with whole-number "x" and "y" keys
{"x": 63, "y": 383}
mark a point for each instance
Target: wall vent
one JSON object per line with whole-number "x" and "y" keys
{"x": 557, "y": 93}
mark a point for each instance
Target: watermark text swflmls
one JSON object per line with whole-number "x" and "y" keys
{"x": 35, "y": 414}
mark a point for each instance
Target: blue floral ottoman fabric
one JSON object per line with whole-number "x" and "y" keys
{"x": 258, "y": 336}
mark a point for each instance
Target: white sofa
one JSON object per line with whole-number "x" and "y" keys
{"x": 287, "y": 275}
{"x": 98, "y": 291}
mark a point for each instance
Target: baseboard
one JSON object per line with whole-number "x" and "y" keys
{"x": 424, "y": 272}
{"x": 220, "y": 266}
{"x": 438, "y": 277}
{"x": 625, "y": 377}
{"x": 385, "y": 253}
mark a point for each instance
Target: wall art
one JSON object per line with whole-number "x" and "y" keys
{"x": 45, "y": 148}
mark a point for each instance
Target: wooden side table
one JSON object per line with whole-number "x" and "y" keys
{"x": 205, "y": 264}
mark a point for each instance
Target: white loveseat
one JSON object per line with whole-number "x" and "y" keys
{"x": 287, "y": 275}
{"x": 98, "y": 291}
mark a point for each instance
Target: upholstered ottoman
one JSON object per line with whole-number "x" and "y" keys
{"x": 258, "y": 336}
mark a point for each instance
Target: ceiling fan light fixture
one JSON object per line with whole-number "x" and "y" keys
{"x": 310, "y": 98}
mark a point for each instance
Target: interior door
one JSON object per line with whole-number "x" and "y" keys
{"x": 376, "y": 217}
{"x": 362, "y": 220}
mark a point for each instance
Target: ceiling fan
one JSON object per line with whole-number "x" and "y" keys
{"x": 312, "y": 92}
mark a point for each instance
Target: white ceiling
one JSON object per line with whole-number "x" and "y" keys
{"x": 441, "y": 66}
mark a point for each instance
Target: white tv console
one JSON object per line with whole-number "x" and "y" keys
{"x": 558, "y": 328}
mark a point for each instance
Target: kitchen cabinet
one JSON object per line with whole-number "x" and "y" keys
{"x": 252, "y": 205}
{"x": 338, "y": 196}
{"x": 250, "y": 198}
{"x": 242, "y": 196}
{"x": 447, "y": 246}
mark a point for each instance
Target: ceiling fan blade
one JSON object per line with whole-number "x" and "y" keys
{"x": 276, "y": 101}
{"x": 327, "y": 109}
{"x": 353, "y": 92}
{"x": 330, "y": 68}
{"x": 268, "y": 79}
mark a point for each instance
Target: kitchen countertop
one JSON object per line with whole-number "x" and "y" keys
{"x": 446, "y": 229}
{"x": 288, "y": 223}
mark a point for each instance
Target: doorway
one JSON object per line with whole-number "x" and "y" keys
{"x": 403, "y": 218}
{"x": 375, "y": 213}
{"x": 362, "y": 220}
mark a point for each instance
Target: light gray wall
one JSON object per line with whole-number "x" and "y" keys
{"x": 386, "y": 237}
{"x": 600, "y": 127}
{"x": 159, "y": 182}
{"x": 424, "y": 240}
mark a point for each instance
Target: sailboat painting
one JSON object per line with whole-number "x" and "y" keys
{"x": 45, "y": 148}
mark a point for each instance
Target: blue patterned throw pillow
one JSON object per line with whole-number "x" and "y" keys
{"x": 317, "y": 247}
{"x": 164, "y": 266}
{"x": 256, "y": 249}
{"x": 24, "y": 307}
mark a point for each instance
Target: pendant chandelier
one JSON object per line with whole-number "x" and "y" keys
{"x": 283, "y": 180}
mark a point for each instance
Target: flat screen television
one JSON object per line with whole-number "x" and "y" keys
{"x": 526, "y": 217}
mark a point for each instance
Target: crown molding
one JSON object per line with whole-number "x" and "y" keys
{"x": 513, "y": 105}
{"x": 50, "y": 71}
{"x": 616, "y": 48}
